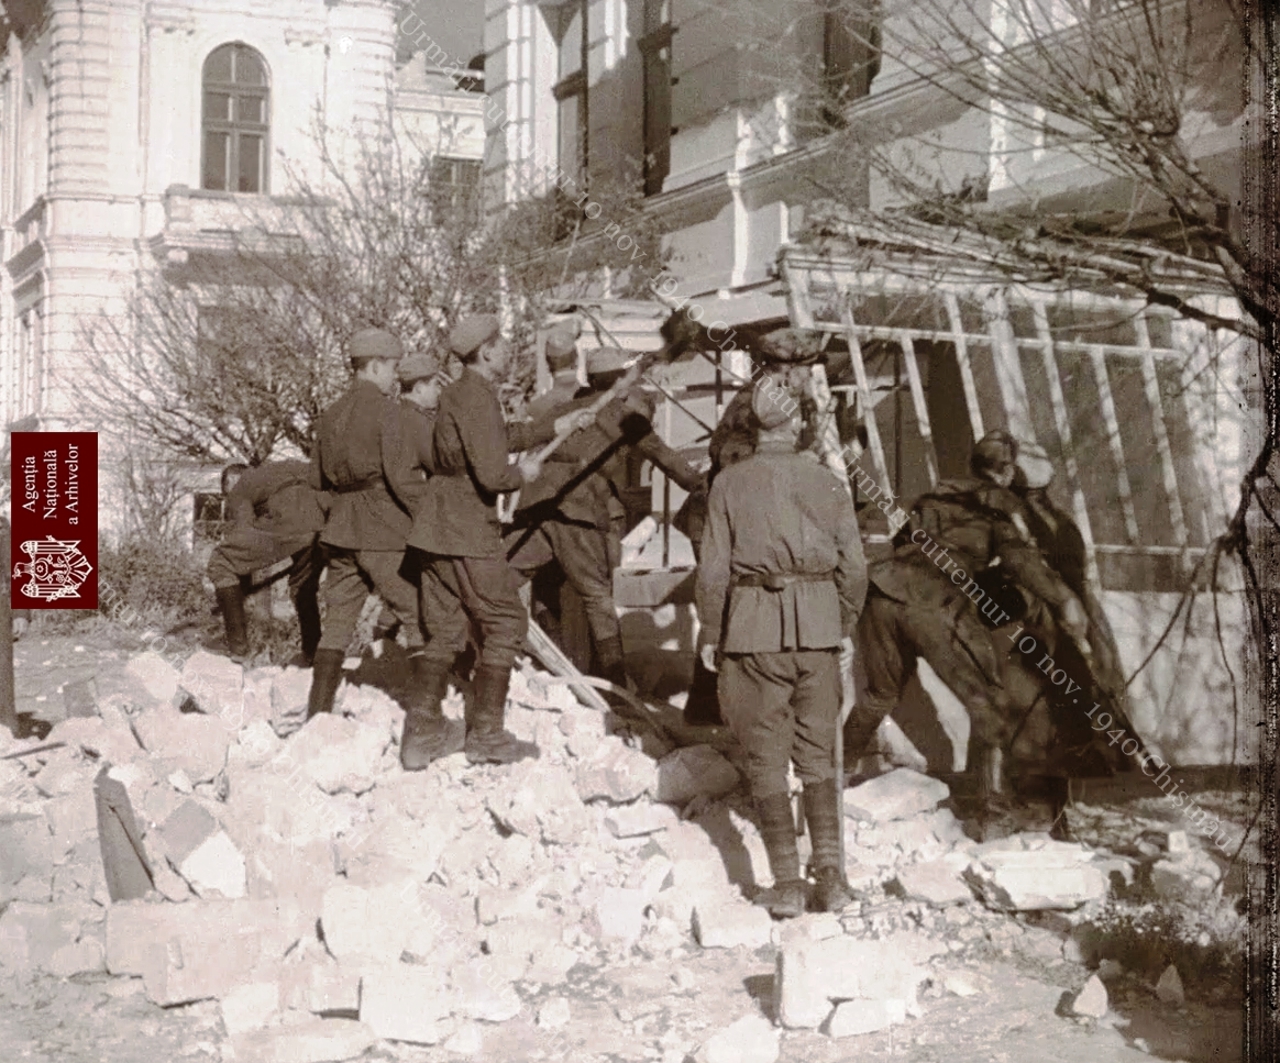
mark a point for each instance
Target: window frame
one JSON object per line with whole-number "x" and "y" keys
{"x": 658, "y": 84}
{"x": 573, "y": 84}
{"x": 235, "y": 127}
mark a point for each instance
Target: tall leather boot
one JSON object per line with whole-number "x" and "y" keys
{"x": 308, "y": 627}
{"x": 326, "y": 676}
{"x": 986, "y": 762}
{"x": 231, "y": 601}
{"x": 778, "y": 829}
{"x": 426, "y": 732}
{"x": 702, "y": 709}
{"x": 487, "y": 742}
{"x": 822, "y": 811}
{"x": 859, "y": 729}
{"x": 610, "y": 660}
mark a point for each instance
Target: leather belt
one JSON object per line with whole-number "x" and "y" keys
{"x": 776, "y": 581}
{"x": 360, "y": 485}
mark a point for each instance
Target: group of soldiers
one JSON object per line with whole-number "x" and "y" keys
{"x": 400, "y": 498}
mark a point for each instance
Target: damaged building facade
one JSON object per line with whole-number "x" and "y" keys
{"x": 1145, "y": 415}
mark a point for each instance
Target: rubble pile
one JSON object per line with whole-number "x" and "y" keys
{"x": 327, "y": 900}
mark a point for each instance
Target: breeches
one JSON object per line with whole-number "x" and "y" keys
{"x": 484, "y": 591}
{"x": 587, "y": 556}
{"x": 783, "y": 707}
{"x": 352, "y": 575}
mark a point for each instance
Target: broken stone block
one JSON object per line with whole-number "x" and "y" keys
{"x": 813, "y": 926}
{"x": 315, "y": 1041}
{"x": 215, "y": 685}
{"x": 187, "y": 967}
{"x": 250, "y": 1007}
{"x": 404, "y": 1003}
{"x": 615, "y": 772}
{"x": 961, "y": 984}
{"x": 541, "y": 801}
{"x": 618, "y": 914}
{"x": 257, "y": 745}
{"x": 339, "y": 754}
{"x": 374, "y": 925}
{"x": 811, "y": 975}
{"x": 331, "y": 988}
{"x": 752, "y": 1039}
{"x": 111, "y": 743}
{"x": 156, "y": 676}
{"x": 855, "y": 1017}
{"x": 28, "y": 850}
{"x": 31, "y": 935}
{"x": 195, "y": 743}
{"x": 583, "y": 727}
{"x": 946, "y": 828}
{"x": 289, "y": 692}
{"x": 934, "y": 882}
{"x": 84, "y": 957}
{"x": 728, "y": 926}
{"x": 652, "y": 877}
{"x": 694, "y": 771}
{"x": 1091, "y": 1001}
{"x": 1034, "y": 880}
{"x": 134, "y": 926}
{"x": 1191, "y": 876}
{"x": 480, "y": 992}
{"x": 1169, "y": 988}
{"x": 553, "y": 1013}
{"x": 203, "y": 854}
{"x": 73, "y": 818}
{"x": 896, "y": 795}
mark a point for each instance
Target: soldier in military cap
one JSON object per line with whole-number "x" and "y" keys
{"x": 776, "y": 358}
{"x": 561, "y": 353}
{"x": 574, "y": 514}
{"x": 274, "y": 513}
{"x": 780, "y": 585}
{"x": 465, "y": 574}
{"x": 359, "y": 458}
{"x": 953, "y": 576}
{"x": 421, "y": 382}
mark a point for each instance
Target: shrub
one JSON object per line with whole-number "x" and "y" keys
{"x": 156, "y": 581}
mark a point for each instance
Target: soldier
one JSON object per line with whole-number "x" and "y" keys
{"x": 733, "y": 439}
{"x": 779, "y": 589}
{"x": 465, "y": 574}
{"x": 359, "y": 457}
{"x": 274, "y": 513}
{"x": 1095, "y": 663}
{"x": 561, "y": 353}
{"x": 574, "y": 513}
{"x": 924, "y": 602}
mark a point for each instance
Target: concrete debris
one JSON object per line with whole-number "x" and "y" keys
{"x": 961, "y": 984}
{"x": 193, "y": 742}
{"x": 332, "y": 988}
{"x": 936, "y": 882}
{"x": 156, "y": 676}
{"x": 401, "y": 1002}
{"x": 250, "y": 1007}
{"x": 482, "y": 994}
{"x": 896, "y": 795}
{"x": 727, "y": 926}
{"x": 312, "y": 1041}
{"x": 615, "y": 772}
{"x": 466, "y": 1040}
{"x": 855, "y": 1017}
{"x": 694, "y": 771}
{"x": 632, "y": 821}
{"x": 111, "y": 742}
{"x": 541, "y": 802}
{"x": 213, "y": 684}
{"x": 38, "y": 937}
{"x": 618, "y": 914}
{"x": 812, "y": 975}
{"x": 814, "y": 926}
{"x": 1169, "y": 988}
{"x": 202, "y": 854}
{"x": 363, "y": 926}
{"x": 1190, "y": 876}
{"x": 752, "y": 1039}
{"x": 289, "y": 692}
{"x": 553, "y": 1013}
{"x": 1060, "y": 877}
{"x": 339, "y": 754}
{"x": 1091, "y": 1001}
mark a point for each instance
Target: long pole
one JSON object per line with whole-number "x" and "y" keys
{"x": 8, "y": 711}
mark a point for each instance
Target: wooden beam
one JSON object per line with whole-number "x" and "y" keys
{"x": 1168, "y": 471}
{"x": 921, "y": 407}
{"x": 864, "y": 391}
{"x": 1112, "y": 425}
{"x": 962, "y": 360}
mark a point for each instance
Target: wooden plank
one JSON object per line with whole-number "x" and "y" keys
{"x": 1112, "y": 425}
{"x": 921, "y": 407}
{"x": 962, "y": 360}
{"x": 1062, "y": 422}
{"x": 1168, "y": 471}
{"x": 864, "y": 391}
{"x": 554, "y": 661}
{"x": 1004, "y": 357}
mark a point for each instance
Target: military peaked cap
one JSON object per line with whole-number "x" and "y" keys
{"x": 995, "y": 449}
{"x": 607, "y": 360}
{"x": 371, "y": 343}
{"x": 799, "y": 346}
{"x": 561, "y": 347}
{"x": 473, "y": 332}
{"x": 417, "y": 367}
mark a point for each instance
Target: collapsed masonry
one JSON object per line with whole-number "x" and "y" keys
{"x": 327, "y": 899}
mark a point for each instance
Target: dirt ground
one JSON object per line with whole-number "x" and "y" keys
{"x": 662, "y": 1006}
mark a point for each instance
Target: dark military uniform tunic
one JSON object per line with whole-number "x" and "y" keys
{"x": 465, "y": 571}
{"x": 359, "y": 458}
{"x": 274, "y": 513}
{"x": 925, "y": 602}
{"x": 781, "y": 581}
{"x": 573, "y": 512}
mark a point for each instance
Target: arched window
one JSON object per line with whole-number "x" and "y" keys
{"x": 235, "y": 120}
